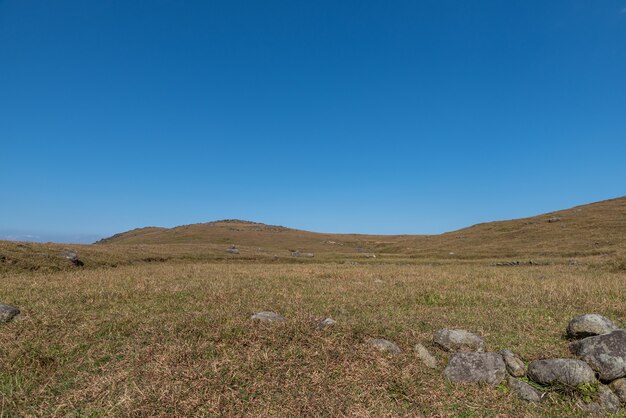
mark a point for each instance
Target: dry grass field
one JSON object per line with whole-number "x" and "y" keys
{"x": 176, "y": 339}
{"x": 164, "y": 329}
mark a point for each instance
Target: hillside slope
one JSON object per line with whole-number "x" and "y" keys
{"x": 594, "y": 229}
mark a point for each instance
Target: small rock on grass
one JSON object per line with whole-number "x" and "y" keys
{"x": 423, "y": 354}
{"x": 268, "y": 317}
{"x": 475, "y": 368}
{"x": 8, "y": 312}
{"x": 326, "y": 323}
{"x": 523, "y": 390}
{"x": 606, "y": 402}
{"x": 588, "y": 325}
{"x": 384, "y": 345}
{"x": 72, "y": 257}
{"x": 619, "y": 387}
{"x": 514, "y": 365}
{"x": 458, "y": 340}
{"x": 561, "y": 371}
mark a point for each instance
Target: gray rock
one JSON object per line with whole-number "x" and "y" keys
{"x": 458, "y": 340}
{"x": 233, "y": 250}
{"x": 268, "y": 317}
{"x": 606, "y": 354}
{"x": 514, "y": 365}
{"x": 384, "y": 345}
{"x": 475, "y": 368}
{"x": 606, "y": 402}
{"x": 589, "y": 325}
{"x": 619, "y": 387}
{"x": 72, "y": 257}
{"x": 423, "y": 354}
{"x": 523, "y": 390}
{"x": 8, "y": 312}
{"x": 568, "y": 372}
{"x": 326, "y": 323}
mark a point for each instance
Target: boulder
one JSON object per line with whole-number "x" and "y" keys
{"x": 423, "y": 354}
{"x": 514, "y": 365}
{"x": 72, "y": 257}
{"x": 619, "y": 387}
{"x": 589, "y": 325}
{"x": 268, "y": 317}
{"x": 384, "y": 345}
{"x": 8, "y": 312}
{"x": 606, "y": 354}
{"x": 475, "y": 367}
{"x": 523, "y": 390}
{"x": 563, "y": 371}
{"x": 606, "y": 402}
{"x": 233, "y": 250}
{"x": 326, "y": 323}
{"x": 458, "y": 340}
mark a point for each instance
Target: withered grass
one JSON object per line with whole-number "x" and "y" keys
{"x": 175, "y": 339}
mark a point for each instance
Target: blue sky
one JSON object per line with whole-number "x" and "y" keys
{"x": 351, "y": 116}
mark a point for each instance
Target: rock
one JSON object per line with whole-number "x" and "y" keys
{"x": 552, "y": 220}
{"x": 607, "y": 402}
{"x": 326, "y": 323}
{"x": 423, "y": 354}
{"x": 310, "y": 255}
{"x": 295, "y": 253}
{"x": 589, "y": 325}
{"x": 72, "y": 257}
{"x": 619, "y": 387}
{"x": 568, "y": 372}
{"x": 384, "y": 345}
{"x": 268, "y": 317}
{"x": 8, "y": 312}
{"x": 606, "y": 354}
{"x": 475, "y": 368}
{"x": 523, "y": 390}
{"x": 514, "y": 365}
{"x": 233, "y": 250}
{"x": 458, "y": 340}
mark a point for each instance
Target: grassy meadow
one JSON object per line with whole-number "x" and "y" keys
{"x": 175, "y": 338}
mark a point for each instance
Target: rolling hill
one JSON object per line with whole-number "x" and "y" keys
{"x": 593, "y": 229}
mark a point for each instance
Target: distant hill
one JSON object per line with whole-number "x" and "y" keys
{"x": 593, "y": 229}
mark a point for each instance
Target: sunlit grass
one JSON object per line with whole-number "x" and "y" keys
{"x": 175, "y": 338}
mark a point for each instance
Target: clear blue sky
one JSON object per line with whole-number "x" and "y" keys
{"x": 338, "y": 116}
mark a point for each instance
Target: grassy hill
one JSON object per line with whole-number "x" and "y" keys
{"x": 595, "y": 233}
{"x": 594, "y": 229}
{"x": 156, "y": 322}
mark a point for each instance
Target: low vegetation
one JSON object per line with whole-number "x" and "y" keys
{"x": 177, "y": 339}
{"x": 164, "y": 329}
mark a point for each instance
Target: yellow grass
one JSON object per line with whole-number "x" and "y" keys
{"x": 174, "y": 338}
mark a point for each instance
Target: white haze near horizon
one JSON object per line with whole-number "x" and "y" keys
{"x": 27, "y": 236}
